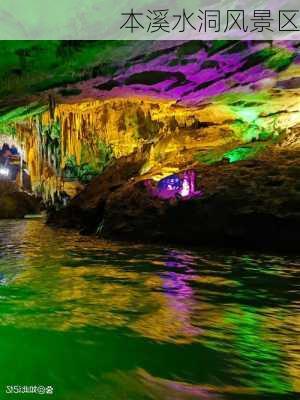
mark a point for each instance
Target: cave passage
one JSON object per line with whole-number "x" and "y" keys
{"x": 149, "y": 220}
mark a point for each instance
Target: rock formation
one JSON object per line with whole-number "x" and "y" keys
{"x": 230, "y": 111}
{"x": 16, "y": 203}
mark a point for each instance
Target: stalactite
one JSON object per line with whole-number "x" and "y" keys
{"x": 170, "y": 133}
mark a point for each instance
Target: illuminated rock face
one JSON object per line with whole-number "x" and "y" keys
{"x": 169, "y": 135}
{"x": 172, "y": 137}
{"x": 186, "y": 72}
{"x": 179, "y": 102}
{"x": 173, "y": 107}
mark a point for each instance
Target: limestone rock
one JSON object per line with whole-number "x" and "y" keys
{"x": 15, "y": 203}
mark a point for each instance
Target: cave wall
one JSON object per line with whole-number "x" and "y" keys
{"x": 176, "y": 103}
{"x": 170, "y": 136}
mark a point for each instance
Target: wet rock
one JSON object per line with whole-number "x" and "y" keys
{"x": 15, "y": 203}
{"x": 251, "y": 204}
{"x": 85, "y": 211}
{"x": 239, "y": 208}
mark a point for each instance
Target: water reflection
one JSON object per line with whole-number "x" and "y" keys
{"x": 149, "y": 322}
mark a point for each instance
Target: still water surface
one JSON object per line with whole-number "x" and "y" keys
{"x": 109, "y": 321}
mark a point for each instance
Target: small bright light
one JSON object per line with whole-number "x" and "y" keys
{"x": 185, "y": 191}
{"x": 4, "y": 171}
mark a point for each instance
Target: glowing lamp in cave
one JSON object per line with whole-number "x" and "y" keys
{"x": 174, "y": 186}
{"x": 4, "y": 171}
{"x": 185, "y": 191}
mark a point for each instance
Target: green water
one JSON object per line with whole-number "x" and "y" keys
{"x": 100, "y": 320}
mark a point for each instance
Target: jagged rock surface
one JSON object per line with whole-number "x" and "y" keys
{"x": 254, "y": 203}
{"x": 229, "y": 110}
{"x": 15, "y": 203}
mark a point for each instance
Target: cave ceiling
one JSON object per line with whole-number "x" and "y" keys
{"x": 255, "y": 77}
